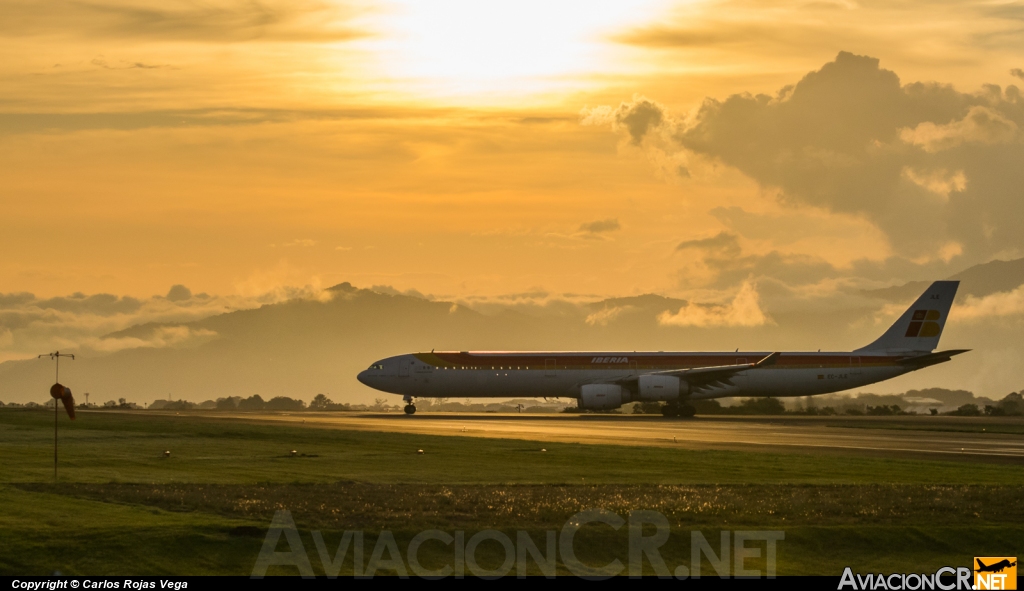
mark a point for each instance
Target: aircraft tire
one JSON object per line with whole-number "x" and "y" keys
{"x": 670, "y": 410}
{"x": 686, "y": 411}
{"x": 410, "y": 409}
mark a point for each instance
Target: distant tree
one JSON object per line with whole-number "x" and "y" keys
{"x": 967, "y": 410}
{"x": 882, "y": 410}
{"x": 230, "y": 403}
{"x": 379, "y": 403}
{"x": 1012, "y": 404}
{"x": 854, "y": 412}
{"x": 707, "y": 407}
{"x": 320, "y": 402}
{"x": 179, "y": 405}
{"x": 285, "y": 403}
{"x": 647, "y": 408}
{"x": 254, "y": 402}
{"x": 933, "y": 411}
{"x": 762, "y": 406}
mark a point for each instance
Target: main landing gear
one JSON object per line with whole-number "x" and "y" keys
{"x": 410, "y": 408}
{"x": 678, "y": 409}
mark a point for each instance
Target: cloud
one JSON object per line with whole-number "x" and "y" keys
{"x": 605, "y": 315}
{"x": 1019, "y": 73}
{"x": 601, "y": 226}
{"x": 743, "y": 310}
{"x": 637, "y": 118}
{"x": 996, "y": 305}
{"x": 299, "y": 21}
{"x": 30, "y": 325}
{"x": 178, "y": 293}
{"x": 981, "y": 125}
{"x": 123, "y": 65}
{"x": 725, "y": 243}
{"x": 101, "y": 304}
{"x": 941, "y": 182}
{"x": 924, "y": 163}
{"x": 162, "y": 336}
{"x": 388, "y": 290}
{"x": 304, "y": 242}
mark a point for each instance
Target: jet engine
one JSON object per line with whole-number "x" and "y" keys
{"x": 602, "y": 396}
{"x": 661, "y": 388}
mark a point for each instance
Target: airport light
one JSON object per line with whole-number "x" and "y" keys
{"x": 63, "y": 394}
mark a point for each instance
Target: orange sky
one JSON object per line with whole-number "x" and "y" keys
{"x": 237, "y": 146}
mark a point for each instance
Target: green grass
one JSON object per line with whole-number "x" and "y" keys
{"x": 122, "y": 508}
{"x": 979, "y": 425}
{"x": 108, "y": 447}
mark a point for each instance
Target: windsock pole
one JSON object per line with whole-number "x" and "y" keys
{"x": 56, "y": 412}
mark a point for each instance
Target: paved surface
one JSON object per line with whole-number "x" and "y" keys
{"x": 902, "y": 437}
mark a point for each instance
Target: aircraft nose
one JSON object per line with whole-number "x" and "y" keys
{"x": 363, "y": 377}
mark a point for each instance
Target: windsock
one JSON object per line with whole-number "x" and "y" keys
{"x": 62, "y": 393}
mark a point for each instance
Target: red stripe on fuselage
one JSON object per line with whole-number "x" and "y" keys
{"x": 645, "y": 360}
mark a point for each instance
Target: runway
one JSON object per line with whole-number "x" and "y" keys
{"x": 885, "y": 437}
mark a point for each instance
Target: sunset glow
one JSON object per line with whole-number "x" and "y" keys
{"x": 468, "y": 151}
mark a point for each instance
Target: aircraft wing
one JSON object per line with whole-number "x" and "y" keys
{"x": 701, "y": 377}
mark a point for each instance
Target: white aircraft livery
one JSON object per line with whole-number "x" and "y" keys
{"x": 608, "y": 379}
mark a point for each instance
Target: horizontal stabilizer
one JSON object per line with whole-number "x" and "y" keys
{"x": 931, "y": 358}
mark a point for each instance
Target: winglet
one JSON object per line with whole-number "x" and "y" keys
{"x": 768, "y": 360}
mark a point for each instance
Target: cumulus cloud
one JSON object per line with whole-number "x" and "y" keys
{"x": 851, "y": 138}
{"x": 981, "y": 125}
{"x": 996, "y": 305}
{"x": 637, "y": 118}
{"x": 646, "y": 124}
{"x": 743, "y": 310}
{"x": 1017, "y": 72}
{"x": 178, "y": 293}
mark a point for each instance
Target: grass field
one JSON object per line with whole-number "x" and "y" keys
{"x": 121, "y": 507}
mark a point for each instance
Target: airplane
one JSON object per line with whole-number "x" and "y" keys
{"x": 995, "y": 568}
{"x": 608, "y": 379}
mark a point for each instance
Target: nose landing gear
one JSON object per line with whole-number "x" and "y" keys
{"x": 410, "y": 408}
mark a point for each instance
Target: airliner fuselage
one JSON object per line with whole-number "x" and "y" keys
{"x": 608, "y": 379}
{"x": 563, "y": 374}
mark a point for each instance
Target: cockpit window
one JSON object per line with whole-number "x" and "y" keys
{"x": 377, "y": 366}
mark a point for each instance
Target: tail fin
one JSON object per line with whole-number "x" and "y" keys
{"x": 920, "y": 327}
